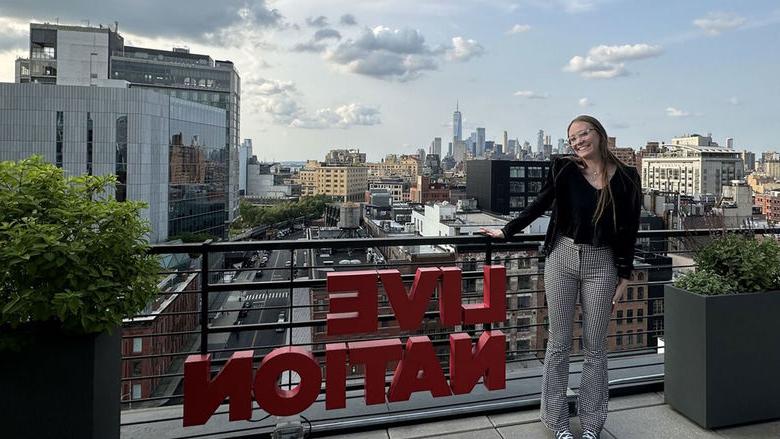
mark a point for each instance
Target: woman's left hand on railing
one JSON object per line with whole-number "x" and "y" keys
{"x": 493, "y": 233}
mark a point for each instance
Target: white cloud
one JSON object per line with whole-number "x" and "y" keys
{"x": 626, "y": 52}
{"x": 734, "y": 101}
{"x": 675, "y": 112}
{"x": 270, "y": 86}
{"x": 343, "y": 117}
{"x": 605, "y": 62}
{"x": 531, "y": 94}
{"x": 464, "y": 49}
{"x": 518, "y": 29}
{"x": 716, "y": 22}
{"x": 585, "y": 102}
{"x": 385, "y": 53}
{"x": 396, "y": 54}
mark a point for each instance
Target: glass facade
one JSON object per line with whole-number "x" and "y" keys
{"x": 59, "y": 138}
{"x": 90, "y": 134}
{"x": 166, "y": 152}
{"x": 121, "y": 157}
{"x": 198, "y": 175}
{"x": 196, "y": 78}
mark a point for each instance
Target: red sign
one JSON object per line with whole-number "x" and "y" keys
{"x": 354, "y": 309}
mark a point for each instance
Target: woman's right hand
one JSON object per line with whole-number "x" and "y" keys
{"x": 493, "y": 233}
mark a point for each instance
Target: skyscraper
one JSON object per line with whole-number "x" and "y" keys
{"x": 540, "y": 142}
{"x": 457, "y": 125}
{"x": 244, "y": 153}
{"x": 436, "y": 146}
{"x": 505, "y": 144}
{"x": 480, "y": 149}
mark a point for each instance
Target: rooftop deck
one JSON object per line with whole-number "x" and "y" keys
{"x": 636, "y": 364}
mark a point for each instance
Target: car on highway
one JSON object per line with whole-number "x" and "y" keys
{"x": 245, "y": 309}
{"x": 280, "y": 320}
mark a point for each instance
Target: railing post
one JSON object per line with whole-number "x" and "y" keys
{"x": 204, "y": 296}
{"x": 488, "y": 261}
{"x": 290, "y": 310}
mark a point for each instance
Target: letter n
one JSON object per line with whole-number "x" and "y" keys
{"x": 468, "y": 364}
{"x": 202, "y": 395}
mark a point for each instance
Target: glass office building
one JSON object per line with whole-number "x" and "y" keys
{"x": 97, "y": 56}
{"x": 167, "y": 152}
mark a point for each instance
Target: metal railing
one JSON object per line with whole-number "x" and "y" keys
{"x": 222, "y": 277}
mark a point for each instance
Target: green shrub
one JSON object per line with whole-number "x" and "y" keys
{"x": 735, "y": 263}
{"x": 70, "y": 256}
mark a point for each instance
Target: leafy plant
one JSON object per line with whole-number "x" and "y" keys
{"x": 71, "y": 257}
{"x": 735, "y": 264}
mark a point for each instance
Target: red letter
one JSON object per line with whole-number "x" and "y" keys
{"x": 281, "y": 402}
{"x": 468, "y": 365}
{"x": 493, "y": 308}
{"x": 335, "y": 376}
{"x": 449, "y": 296}
{"x": 202, "y": 396}
{"x": 419, "y": 370}
{"x": 356, "y": 311}
{"x": 409, "y": 308}
{"x": 375, "y": 355}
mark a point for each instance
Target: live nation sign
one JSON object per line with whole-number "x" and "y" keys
{"x": 354, "y": 310}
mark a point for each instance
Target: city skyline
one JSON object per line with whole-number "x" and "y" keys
{"x": 387, "y": 77}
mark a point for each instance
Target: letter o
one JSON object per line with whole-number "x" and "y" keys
{"x": 280, "y": 402}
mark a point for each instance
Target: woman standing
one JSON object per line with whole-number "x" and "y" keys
{"x": 595, "y": 201}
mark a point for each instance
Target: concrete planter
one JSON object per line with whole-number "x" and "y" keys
{"x": 62, "y": 386}
{"x": 722, "y": 356}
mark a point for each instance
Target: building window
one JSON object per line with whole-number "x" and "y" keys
{"x": 640, "y": 293}
{"x": 60, "y": 136}
{"x": 89, "y": 143}
{"x": 619, "y": 339}
{"x": 135, "y": 367}
{"x": 630, "y": 293}
{"x": 516, "y": 202}
{"x": 630, "y": 316}
{"x": 620, "y": 317}
{"x": 639, "y": 338}
{"x": 640, "y": 313}
{"x": 138, "y": 345}
{"x": 629, "y": 337}
{"x": 516, "y": 187}
{"x": 121, "y": 158}
{"x": 136, "y": 391}
{"x": 516, "y": 172}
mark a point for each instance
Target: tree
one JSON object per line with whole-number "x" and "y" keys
{"x": 71, "y": 256}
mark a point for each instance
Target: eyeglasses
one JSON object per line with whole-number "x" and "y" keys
{"x": 577, "y": 136}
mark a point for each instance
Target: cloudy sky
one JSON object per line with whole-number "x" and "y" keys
{"x": 384, "y": 75}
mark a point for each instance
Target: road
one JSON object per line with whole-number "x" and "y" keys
{"x": 277, "y": 299}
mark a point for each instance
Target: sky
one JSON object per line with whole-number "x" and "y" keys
{"x": 385, "y": 76}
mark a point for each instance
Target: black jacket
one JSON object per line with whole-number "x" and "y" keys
{"x": 558, "y": 187}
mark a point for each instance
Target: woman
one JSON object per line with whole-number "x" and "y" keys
{"x": 595, "y": 201}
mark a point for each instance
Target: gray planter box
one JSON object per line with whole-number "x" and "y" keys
{"x": 62, "y": 386}
{"x": 722, "y": 356}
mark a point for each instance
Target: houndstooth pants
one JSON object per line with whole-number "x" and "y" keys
{"x": 571, "y": 270}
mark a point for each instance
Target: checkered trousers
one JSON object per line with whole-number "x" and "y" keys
{"x": 573, "y": 270}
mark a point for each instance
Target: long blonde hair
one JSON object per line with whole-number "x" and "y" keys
{"x": 605, "y": 157}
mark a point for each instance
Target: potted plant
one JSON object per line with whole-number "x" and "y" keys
{"x": 721, "y": 341}
{"x": 73, "y": 264}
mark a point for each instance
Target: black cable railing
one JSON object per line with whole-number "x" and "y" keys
{"x": 207, "y": 326}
